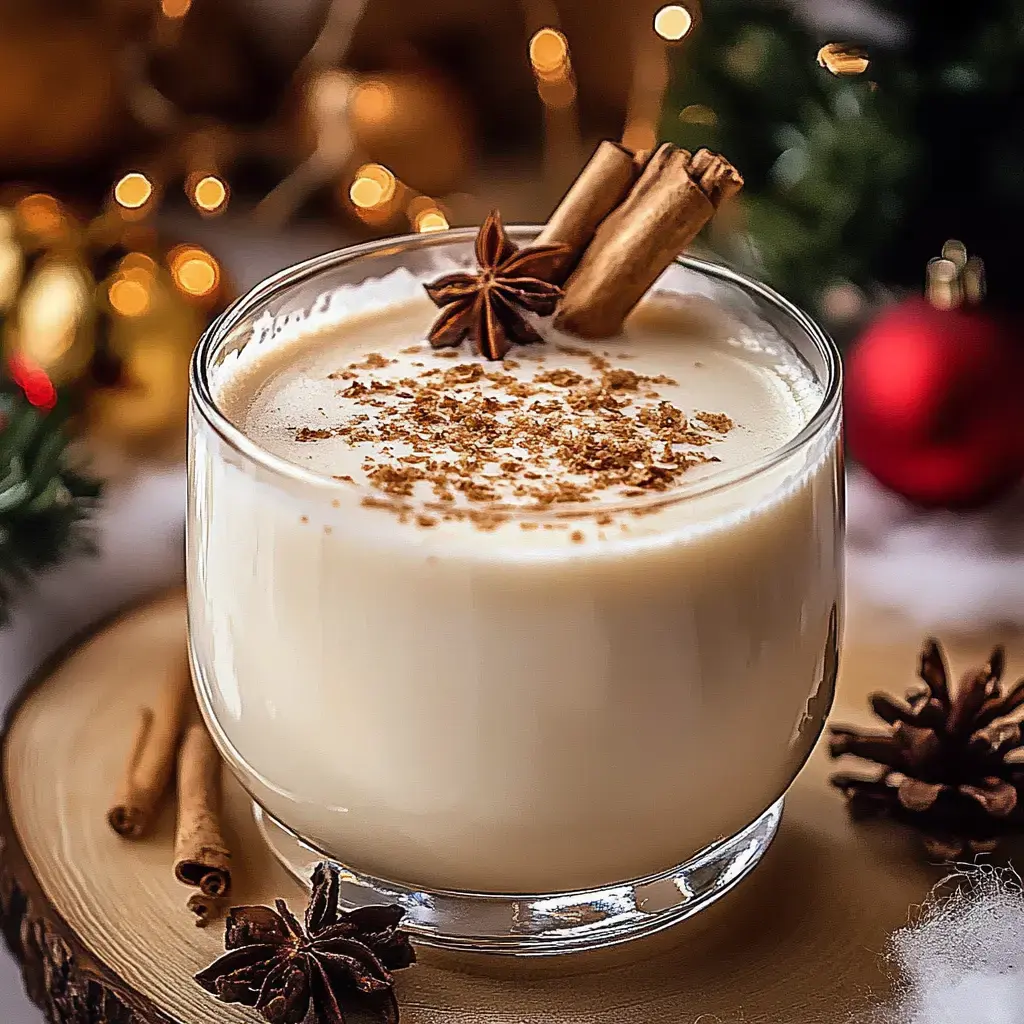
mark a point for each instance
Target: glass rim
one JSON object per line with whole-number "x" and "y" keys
{"x": 251, "y": 301}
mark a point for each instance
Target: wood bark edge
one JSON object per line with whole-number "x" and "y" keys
{"x": 62, "y": 976}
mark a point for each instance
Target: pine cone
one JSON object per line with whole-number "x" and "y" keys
{"x": 953, "y": 760}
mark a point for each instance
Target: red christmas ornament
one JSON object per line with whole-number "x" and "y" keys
{"x": 934, "y": 394}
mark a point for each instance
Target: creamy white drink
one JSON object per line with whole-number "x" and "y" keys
{"x": 530, "y": 626}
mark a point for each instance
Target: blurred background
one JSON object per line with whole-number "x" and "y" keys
{"x": 159, "y": 156}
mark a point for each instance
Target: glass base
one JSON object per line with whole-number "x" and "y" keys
{"x": 544, "y": 925}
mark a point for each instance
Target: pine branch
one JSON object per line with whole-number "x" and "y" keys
{"x": 46, "y": 503}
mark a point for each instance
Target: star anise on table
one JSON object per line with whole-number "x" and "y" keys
{"x": 295, "y": 973}
{"x": 488, "y": 306}
{"x": 951, "y": 758}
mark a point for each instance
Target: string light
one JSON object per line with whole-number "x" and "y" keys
{"x": 128, "y": 296}
{"x": 130, "y": 291}
{"x": 175, "y": 8}
{"x": 40, "y": 215}
{"x": 842, "y": 59}
{"x": 210, "y": 194}
{"x": 558, "y": 93}
{"x": 133, "y": 191}
{"x": 673, "y": 22}
{"x": 549, "y": 52}
{"x": 136, "y": 263}
{"x": 374, "y": 186}
{"x": 194, "y": 270}
{"x": 430, "y": 220}
{"x": 373, "y": 102}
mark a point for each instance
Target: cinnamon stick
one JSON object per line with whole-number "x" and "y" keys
{"x": 675, "y": 196}
{"x": 151, "y": 758}
{"x": 201, "y": 857}
{"x": 600, "y": 187}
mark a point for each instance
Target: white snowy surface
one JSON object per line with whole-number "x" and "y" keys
{"x": 959, "y": 572}
{"x": 961, "y": 959}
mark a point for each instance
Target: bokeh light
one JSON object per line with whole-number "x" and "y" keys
{"x": 54, "y": 307}
{"x": 943, "y": 283}
{"x": 374, "y": 185}
{"x": 34, "y": 381}
{"x": 557, "y": 93}
{"x": 372, "y": 102}
{"x": 133, "y": 191}
{"x": 40, "y": 215}
{"x": 431, "y": 219}
{"x": 549, "y": 52}
{"x": 640, "y": 135}
{"x": 697, "y": 113}
{"x": 210, "y": 194}
{"x": 673, "y": 22}
{"x": 194, "y": 270}
{"x": 128, "y": 296}
{"x": 175, "y": 8}
{"x": 974, "y": 280}
{"x": 956, "y": 251}
{"x": 137, "y": 262}
{"x": 843, "y": 59}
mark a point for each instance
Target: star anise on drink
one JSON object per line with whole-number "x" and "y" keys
{"x": 951, "y": 758}
{"x": 488, "y": 306}
{"x": 294, "y": 973}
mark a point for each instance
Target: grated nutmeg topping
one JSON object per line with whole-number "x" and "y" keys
{"x": 473, "y": 442}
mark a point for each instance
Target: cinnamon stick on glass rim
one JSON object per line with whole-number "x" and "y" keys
{"x": 675, "y": 196}
{"x": 153, "y": 751}
{"x": 201, "y": 856}
{"x": 601, "y": 186}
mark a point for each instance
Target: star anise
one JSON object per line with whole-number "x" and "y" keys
{"x": 488, "y": 306}
{"x": 293, "y": 973}
{"x": 952, "y": 758}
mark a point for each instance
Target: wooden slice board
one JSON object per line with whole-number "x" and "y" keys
{"x": 101, "y": 928}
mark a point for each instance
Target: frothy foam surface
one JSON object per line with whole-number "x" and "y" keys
{"x": 686, "y": 391}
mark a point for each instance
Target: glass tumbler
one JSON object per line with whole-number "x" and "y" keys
{"x": 531, "y": 753}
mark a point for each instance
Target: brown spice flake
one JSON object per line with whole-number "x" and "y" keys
{"x": 476, "y": 439}
{"x": 313, "y": 434}
{"x": 560, "y": 378}
{"x": 373, "y": 361}
{"x": 717, "y": 421}
{"x": 426, "y": 521}
{"x": 576, "y": 536}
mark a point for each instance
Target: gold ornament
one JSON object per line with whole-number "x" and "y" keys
{"x": 153, "y": 326}
{"x": 53, "y": 327}
{"x": 106, "y": 313}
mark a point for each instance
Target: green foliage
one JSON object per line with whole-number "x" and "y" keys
{"x": 861, "y": 178}
{"x": 45, "y": 504}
